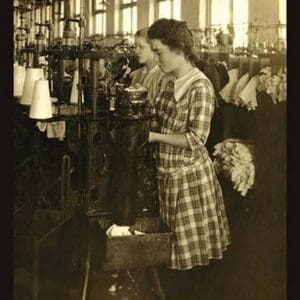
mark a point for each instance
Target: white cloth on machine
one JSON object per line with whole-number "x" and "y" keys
{"x": 55, "y": 130}
{"x": 115, "y": 230}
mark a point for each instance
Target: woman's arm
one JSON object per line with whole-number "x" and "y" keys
{"x": 198, "y": 128}
{"x": 178, "y": 140}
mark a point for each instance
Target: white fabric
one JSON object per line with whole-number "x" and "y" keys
{"x": 240, "y": 86}
{"x": 42, "y": 126}
{"x": 248, "y": 94}
{"x": 56, "y": 130}
{"x": 115, "y": 230}
{"x": 227, "y": 91}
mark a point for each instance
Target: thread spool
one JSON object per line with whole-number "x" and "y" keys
{"x": 32, "y": 74}
{"x": 74, "y": 90}
{"x": 41, "y": 106}
{"x": 19, "y": 78}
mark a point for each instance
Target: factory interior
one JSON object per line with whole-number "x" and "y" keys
{"x": 83, "y": 163}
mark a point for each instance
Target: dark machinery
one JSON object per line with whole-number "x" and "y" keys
{"x": 104, "y": 167}
{"x": 111, "y": 117}
{"x": 110, "y": 170}
{"x": 96, "y": 125}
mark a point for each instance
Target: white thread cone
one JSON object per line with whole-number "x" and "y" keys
{"x": 41, "y": 106}
{"x": 32, "y": 74}
{"x": 19, "y": 78}
{"x": 74, "y": 91}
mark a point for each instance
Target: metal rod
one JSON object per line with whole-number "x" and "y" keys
{"x": 158, "y": 283}
{"x": 65, "y": 180}
{"x": 87, "y": 271}
{"x": 80, "y": 87}
{"x": 60, "y": 80}
{"x": 94, "y": 86}
{"x": 54, "y": 229}
{"x": 81, "y": 23}
{"x": 53, "y": 183}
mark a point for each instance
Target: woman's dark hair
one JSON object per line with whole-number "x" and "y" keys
{"x": 174, "y": 34}
{"x": 143, "y": 32}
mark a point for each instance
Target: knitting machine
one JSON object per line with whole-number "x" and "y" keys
{"x": 111, "y": 168}
{"x": 102, "y": 169}
{"x": 120, "y": 174}
{"x": 103, "y": 165}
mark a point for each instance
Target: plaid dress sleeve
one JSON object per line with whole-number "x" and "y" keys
{"x": 200, "y": 114}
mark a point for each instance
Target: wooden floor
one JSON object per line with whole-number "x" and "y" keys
{"x": 253, "y": 267}
{"x": 240, "y": 277}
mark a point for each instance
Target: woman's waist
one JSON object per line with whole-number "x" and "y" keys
{"x": 173, "y": 156}
{"x": 178, "y": 168}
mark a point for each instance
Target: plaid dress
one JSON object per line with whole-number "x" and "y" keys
{"x": 191, "y": 200}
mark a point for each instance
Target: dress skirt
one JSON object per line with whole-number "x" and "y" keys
{"x": 191, "y": 204}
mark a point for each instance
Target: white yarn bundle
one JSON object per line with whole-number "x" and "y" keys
{"x": 234, "y": 160}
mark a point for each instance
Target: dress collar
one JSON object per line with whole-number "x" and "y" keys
{"x": 182, "y": 84}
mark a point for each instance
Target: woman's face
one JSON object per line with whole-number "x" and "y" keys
{"x": 143, "y": 50}
{"x": 168, "y": 59}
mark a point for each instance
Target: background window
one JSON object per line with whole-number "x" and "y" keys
{"x": 220, "y": 14}
{"x": 240, "y": 23}
{"x": 100, "y": 23}
{"x": 48, "y": 13}
{"x": 38, "y": 15}
{"x": 77, "y": 8}
{"x": 282, "y": 19}
{"x": 127, "y": 1}
{"x": 60, "y": 28}
{"x": 164, "y": 9}
{"x": 61, "y": 9}
{"x": 61, "y": 18}
{"x": 176, "y": 9}
{"x": 202, "y": 15}
{"x": 99, "y": 9}
{"x": 169, "y": 9}
{"x": 231, "y": 12}
{"x": 129, "y": 16}
{"x": 99, "y": 5}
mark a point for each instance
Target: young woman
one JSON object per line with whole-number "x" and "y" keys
{"x": 191, "y": 201}
{"x": 150, "y": 74}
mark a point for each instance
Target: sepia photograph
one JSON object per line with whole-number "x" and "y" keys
{"x": 149, "y": 149}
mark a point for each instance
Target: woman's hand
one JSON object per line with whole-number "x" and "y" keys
{"x": 151, "y": 137}
{"x": 137, "y": 85}
{"x": 178, "y": 140}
